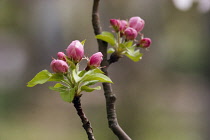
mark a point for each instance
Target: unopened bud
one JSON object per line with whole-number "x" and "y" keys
{"x": 137, "y": 23}
{"x": 123, "y": 25}
{"x": 95, "y": 59}
{"x": 59, "y": 66}
{"x": 61, "y": 56}
{"x": 130, "y": 33}
{"x": 75, "y": 51}
{"x": 145, "y": 43}
{"x": 115, "y": 24}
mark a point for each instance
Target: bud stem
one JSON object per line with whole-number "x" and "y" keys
{"x": 118, "y": 40}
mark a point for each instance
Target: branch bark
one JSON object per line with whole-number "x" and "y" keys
{"x": 109, "y": 95}
{"x": 86, "y": 123}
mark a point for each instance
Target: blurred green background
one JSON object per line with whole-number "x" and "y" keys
{"x": 165, "y": 96}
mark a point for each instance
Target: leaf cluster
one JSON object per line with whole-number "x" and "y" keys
{"x": 72, "y": 83}
{"x": 121, "y": 46}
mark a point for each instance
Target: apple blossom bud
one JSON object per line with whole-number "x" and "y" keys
{"x": 95, "y": 59}
{"x": 137, "y": 23}
{"x": 75, "y": 51}
{"x": 123, "y": 25}
{"x": 115, "y": 24}
{"x": 144, "y": 43}
{"x": 61, "y": 56}
{"x": 59, "y": 66}
{"x": 130, "y": 33}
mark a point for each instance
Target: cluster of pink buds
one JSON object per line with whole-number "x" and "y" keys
{"x": 130, "y": 30}
{"x": 74, "y": 53}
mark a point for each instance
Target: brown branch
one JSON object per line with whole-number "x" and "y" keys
{"x": 109, "y": 95}
{"x": 86, "y": 123}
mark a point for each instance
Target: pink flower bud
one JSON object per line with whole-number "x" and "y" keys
{"x": 59, "y": 66}
{"x": 123, "y": 25}
{"x": 137, "y": 23}
{"x": 75, "y": 51}
{"x": 145, "y": 42}
{"x": 61, "y": 56}
{"x": 115, "y": 24}
{"x": 130, "y": 33}
{"x": 95, "y": 59}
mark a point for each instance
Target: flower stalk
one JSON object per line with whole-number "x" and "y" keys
{"x": 86, "y": 123}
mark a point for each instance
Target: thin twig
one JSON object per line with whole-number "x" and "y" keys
{"x": 109, "y": 95}
{"x": 86, "y": 123}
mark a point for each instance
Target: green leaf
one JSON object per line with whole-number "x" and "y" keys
{"x": 89, "y": 89}
{"x": 107, "y": 37}
{"x": 56, "y": 77}
{"x": 59, "y": 87}
{"x": 110, "y": 50}
{"x": 83, "y": 42}
{"x": 75, "y": 76}
{"x": 89, "y": 83}
{"x": 68, "y": 95}
{"x": 96, "y": 70}
{"x": 40, "y": 78}
{"x": 91, "y": 77}
{"x": 128, "y": 44}
{"x": 81, "y": 73}
{"x": 96, "y": 76}
{"x": 122, "y": 47}
{"x": 133, "y": 54}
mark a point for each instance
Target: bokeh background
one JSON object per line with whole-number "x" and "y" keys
{"x": 165, "y": 96}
